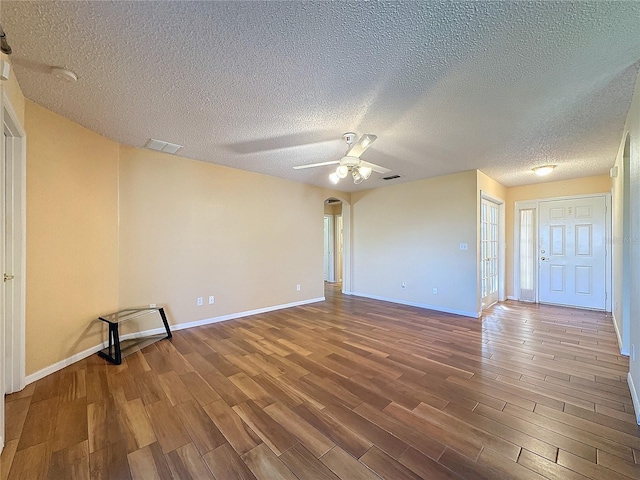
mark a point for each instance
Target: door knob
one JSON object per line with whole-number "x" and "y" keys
{"x": 8, "y": 277}
{"x": 543, "y": 258}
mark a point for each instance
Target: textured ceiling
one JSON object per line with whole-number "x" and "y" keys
{"x": 264, "y": 86}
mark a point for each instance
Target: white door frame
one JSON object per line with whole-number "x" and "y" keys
{"x": 330, "y": 243}
{"x": 13, "y": 261}
{"x": 338, "y": 247}
{"x": 535, "y": 204}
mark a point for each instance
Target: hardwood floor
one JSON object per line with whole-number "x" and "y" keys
{"x": 349, "y": 388}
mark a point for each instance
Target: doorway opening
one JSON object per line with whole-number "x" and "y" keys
{"x": 336, "y": 244}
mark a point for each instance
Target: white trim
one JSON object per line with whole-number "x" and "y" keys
{"x": 180, "y": 326}
{"x": 623, "y": 351}
{"x": 347, "y": 248}
{"x": 62, "y": 364}
{"x": 232, "y": 316}
{"x": 511, "y": 297}
{"x": 437, "y": 308}
{"x": 634, "y": 397}
{"x": 331, "y": 245}
{"x": 15, "y": 379}
{"x": 608, "y": 253}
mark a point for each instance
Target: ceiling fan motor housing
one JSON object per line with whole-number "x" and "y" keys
{"x": 349, "y": 137}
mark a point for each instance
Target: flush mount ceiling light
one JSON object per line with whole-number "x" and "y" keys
{"x": 543, "y": 170}
{"x": 64, "y": 74}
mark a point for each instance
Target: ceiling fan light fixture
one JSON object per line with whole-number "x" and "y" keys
{"x": 543, "y": 170}
{"x": 357, "y": 177}
{"x": 342, "y": 171}
{"x": 334, "y": 178}
{"x": 365, "y": 172}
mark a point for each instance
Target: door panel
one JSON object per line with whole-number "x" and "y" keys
{"x": 489, "y": 251}
{"x": 572, "y": 263}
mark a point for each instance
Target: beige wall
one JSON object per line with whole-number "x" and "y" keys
{"x": 192, "y": 229}
{"x": 411, "y": 233}
{"x": 580, "y": 186}
{"x": 333, "y": 209}
{"x": 188, "y": 229}
{"x": 72, "y": 236}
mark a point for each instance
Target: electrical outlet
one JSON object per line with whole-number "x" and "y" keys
{"x": 403, "y": 285}
{"x": 212, "y": 300}
{"x": 298, "y": 288}
{"x": 152, "y": 305}
{"x": 200, "y": 302}
{"x": 435, "y": 291}
{"x": 464, "y": 246}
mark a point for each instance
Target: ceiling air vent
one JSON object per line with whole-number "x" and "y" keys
{"x": 391, "y": 177}
{"x": 161, "y": 146}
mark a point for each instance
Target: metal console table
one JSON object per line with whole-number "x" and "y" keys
{"x": 116, "y": 350}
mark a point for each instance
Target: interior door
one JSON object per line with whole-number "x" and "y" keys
{"x": 489, "y": 251}
{"x": 328, "y": 249}
{"x": 572, "y": 254}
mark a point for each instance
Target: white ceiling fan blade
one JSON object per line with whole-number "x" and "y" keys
{"x": 359, "y": 148}
{"x": 312, "y": 165}
{"x": 374, "y": 167}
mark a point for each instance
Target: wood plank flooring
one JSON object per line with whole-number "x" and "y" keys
{"x": 349, "y": 388}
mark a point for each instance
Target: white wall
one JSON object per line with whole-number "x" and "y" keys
{"x": 412, "y": 233}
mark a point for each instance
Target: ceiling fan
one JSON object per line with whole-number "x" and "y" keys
{"x": 351, "y": 163}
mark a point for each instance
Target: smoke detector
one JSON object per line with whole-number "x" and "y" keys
{"x": 64, "y": 74}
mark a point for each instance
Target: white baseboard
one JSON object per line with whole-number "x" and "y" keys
{"x": 62, "y": 364}
{"x": 179, "y": 326}
{"x": 511, "y": 297}
{"x": 623, "y": 351}
{"x": 420, "y": 305}
{"x": 634, "y": 397}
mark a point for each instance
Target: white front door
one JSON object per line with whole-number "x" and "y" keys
{"x": 572, "y": 254}
{"x": 489, "y": 251}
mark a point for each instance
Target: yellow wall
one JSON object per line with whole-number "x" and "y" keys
{"x": 579, "y": 186}
{"x": 412, "y": 233}
{"x": 110, "y": 227}
{"x": 192, "y": 229}
{"x": 333, "y": 209}
{"x": 72, "y": 236}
